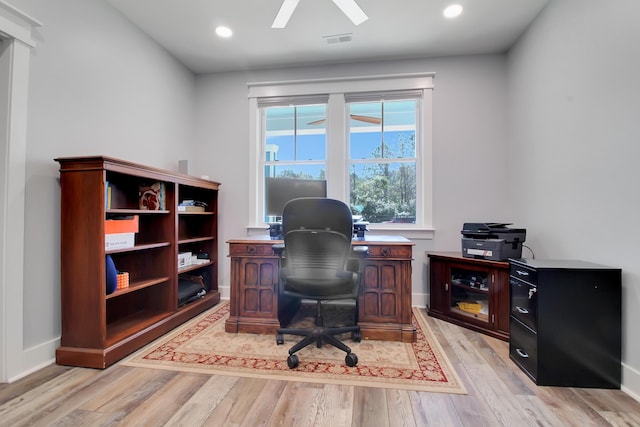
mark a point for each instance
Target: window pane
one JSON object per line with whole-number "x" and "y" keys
{"x": 278, "y": 192}
{"x": 384, "y": 192}
{"x": 382, "y": 130}
{"x": 295, "y": 133}
{"x": 306, "y": 171}
{"x": 365, "y": 130}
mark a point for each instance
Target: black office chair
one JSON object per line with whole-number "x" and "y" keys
{"x": 315, "y": 260}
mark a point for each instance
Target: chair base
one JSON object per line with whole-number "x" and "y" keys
{"x": 319, "y": 335}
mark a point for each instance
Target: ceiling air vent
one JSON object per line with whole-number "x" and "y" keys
{"x": 339, "y": 38}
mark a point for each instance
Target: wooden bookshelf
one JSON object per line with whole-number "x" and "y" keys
{"x": 98, "y": 329}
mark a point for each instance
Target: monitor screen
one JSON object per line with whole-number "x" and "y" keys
{"x": 280, "y": 190}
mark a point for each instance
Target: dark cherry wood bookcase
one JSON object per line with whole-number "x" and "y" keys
{"x": 100, "y": 329}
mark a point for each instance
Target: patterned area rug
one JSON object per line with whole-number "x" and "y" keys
{"x": 202, "y": 345}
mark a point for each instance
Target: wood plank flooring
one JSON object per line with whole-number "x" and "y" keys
{"x": 499, "y": 394}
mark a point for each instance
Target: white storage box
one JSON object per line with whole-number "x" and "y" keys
{"x": 119, "y": 241}
{"x": 184, "y": 259}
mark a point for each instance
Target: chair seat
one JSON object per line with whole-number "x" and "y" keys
{"x": 320, "y": 288}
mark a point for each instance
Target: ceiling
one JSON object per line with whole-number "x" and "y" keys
{"x": 398, "y": 29}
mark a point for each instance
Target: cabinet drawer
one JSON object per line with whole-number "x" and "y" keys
{"x": 389, "y": 252}
{"x": 524, "y": 273}
{"x": 524, "y": 302}
{"x": 242, "y": 249}
{"x": 523, "y": 347}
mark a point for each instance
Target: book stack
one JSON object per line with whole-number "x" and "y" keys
{"x": 192, "y": 206}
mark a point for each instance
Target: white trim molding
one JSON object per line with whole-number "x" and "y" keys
{"x": 16, "y": 42}
{"x": 335, "y": 88}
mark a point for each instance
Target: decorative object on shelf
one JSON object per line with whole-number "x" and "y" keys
{"x": 152, "y": 196}
{"x": 112, "y": 275}
{"x": 192, "y": 206}
{"x": 123, "y": 280}
{"x": 470, "y": 306}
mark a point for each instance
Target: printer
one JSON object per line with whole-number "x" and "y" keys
{"x": 492, "y": 241}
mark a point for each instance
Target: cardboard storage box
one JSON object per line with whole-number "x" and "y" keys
{"x": 124, "y": 225}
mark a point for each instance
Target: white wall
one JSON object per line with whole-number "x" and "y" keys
{"x": 469, "y": 145}
{"x": 98, "y": 85}
{"x": 575, "y": 144}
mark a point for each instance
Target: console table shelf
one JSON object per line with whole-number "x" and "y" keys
{"x": 469, "y": 292}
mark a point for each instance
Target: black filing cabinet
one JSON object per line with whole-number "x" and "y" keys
{"x": 565, "y": 322}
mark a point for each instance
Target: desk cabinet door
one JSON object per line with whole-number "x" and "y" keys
{"x": 258, "y": 288}
{"x": 381, "y": 299}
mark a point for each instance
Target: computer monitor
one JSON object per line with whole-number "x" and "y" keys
{"x": 280, "y": 190}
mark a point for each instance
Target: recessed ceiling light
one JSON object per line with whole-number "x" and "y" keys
{"x": 224, "y": 32}
{"x": 452, "y": 11}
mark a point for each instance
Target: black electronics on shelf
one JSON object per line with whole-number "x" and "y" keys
{"x": 492, "y": 241}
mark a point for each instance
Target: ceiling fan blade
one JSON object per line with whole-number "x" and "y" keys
{"x": 284, "y": 14}
{"x": 367, "y": 119}
{"x": 352, "y": 10}
{"x": 317, "y": 122}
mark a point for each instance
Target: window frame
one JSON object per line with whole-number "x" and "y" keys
{"x": 337, "y": 159}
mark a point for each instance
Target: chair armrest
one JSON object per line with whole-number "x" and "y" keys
{"x": 360, "y": 250}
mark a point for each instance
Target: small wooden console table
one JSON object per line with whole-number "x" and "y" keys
{"x": 384, "y": 302}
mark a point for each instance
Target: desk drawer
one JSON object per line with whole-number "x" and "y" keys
{"x": 249, "y": 249}
{"x": 389, "y": 252}
{"x": 524, "y": 302}
{"x": 524, "y": 273}
{"x": 523, "y": 348}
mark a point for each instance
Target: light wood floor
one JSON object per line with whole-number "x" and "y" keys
{"x": 499, "y": 395}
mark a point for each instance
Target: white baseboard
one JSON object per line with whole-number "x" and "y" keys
{"x": 631, "y": 382}
{"x": 36, "y": 358}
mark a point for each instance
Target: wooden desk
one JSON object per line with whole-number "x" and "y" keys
{"x": 384, "y": 303}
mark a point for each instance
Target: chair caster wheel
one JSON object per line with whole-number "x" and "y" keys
{"x": 356, "y": 336}
{"x": 351, "y": 360}
{"x": 293, "y": 361}
{"x": 279, "y": 339}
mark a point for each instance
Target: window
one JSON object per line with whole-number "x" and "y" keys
{"x": 382, "y": 153}
{"x": 369, "y": 138}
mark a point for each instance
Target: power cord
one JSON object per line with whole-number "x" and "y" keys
{"x": 533, "y": 256}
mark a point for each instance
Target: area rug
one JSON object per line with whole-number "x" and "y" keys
{"x": 202, "y": 345}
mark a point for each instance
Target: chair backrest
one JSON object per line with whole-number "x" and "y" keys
{"x": 317, "y": 235}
